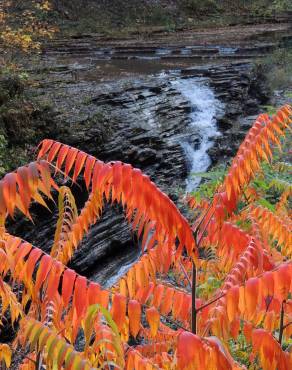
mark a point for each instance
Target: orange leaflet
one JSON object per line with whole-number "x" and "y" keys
{"x": 9, "y": 192}
{"x": 62, "y": 155}
{"x": 70, "y": 159}
{"x": 158, "y": 294}
{"x": 153, "y": 319}
{"x": 251, "y": 296}
{"x": 270, "y": 352}
{"x": 80, "y": 159}
{"x": 118, "y": 310}
{"x": 53, "y": 151}
{"x": 134, "y": 313}
{"x": 190, "y": 352}
{"x": 88, "y": 170}
{"x": 282, "y": 278}
{"x": 54, "y": 279}
{"x": 68, "y": 285}
{"x": 232, "y": 299}
{"x": 80, "y": 296}
{"x": 177, "y": 304}
{"x": 43, "y": 270}
{"x": 166, "y": 305}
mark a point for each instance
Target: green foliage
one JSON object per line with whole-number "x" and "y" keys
{"x": 269, "y": 8}
{"x": 208, "y": 287}
{"x": 269, "y": 185}
{"x": 288, "y": 94}
{"x": 275, "y": 178}
{"x": 22, "y": 25}
{"x": 270, "y": 109}
{"x": 3, "y": 150}
{"x": 240, "y": 349}
{"x": 211, "y": 180}
{"x": 202, "y": 7}
{"x": 278, "y": 66}
{"x": 22, "y": 120}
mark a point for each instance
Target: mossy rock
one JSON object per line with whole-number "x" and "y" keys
{"x": 25, "y": 124}
{"x": 11, "y": 86}
{"x": 4, "y": 96}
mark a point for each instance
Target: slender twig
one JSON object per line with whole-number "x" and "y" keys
{"x": 38, "y": 362}
{"x": 194, "y": 309}
{"x": 286, "y": 326}
{"x": 194, "y": 271}
{"x": 202, "y": 220}
{"x": 185, "y": 273}
{"x": 172, "y": 321}
{"x": 281, "y": 328}
{"x": 205, "y": 228}
{"x": 224, "y": 294}
{"x": 210, "y": 302}
{"x": 24, "y": 355}
{"x": 244, "y": 195}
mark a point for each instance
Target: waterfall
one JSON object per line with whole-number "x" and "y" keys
{"x": 205, "y": 107}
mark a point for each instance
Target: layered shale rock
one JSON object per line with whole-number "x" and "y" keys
{"x": 139, "y": 118}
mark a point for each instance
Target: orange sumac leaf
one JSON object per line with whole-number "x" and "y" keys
{"x": 118, "y": 310}
{"x": 43, "y": 270}
{"x": 282, "y": 281}
{"x": 134, "y": 313}
{"x": 251, "y": 296}
{"x": 157, "y": 296}
{"x": 190, "y": 354}
{"x": 80, "y": 295}
{"x": 167, "y": 302}
{"x": 177, "y": 304}
{"x": 153, "y": 319}
{"x": 232, "y": 298}
{"x": 68, "y": 285}
{"x": 93, "y": 293}
{"x": 270, "y": 352}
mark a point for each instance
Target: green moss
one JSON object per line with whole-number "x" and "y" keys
{"x": 3, "y": 155}
{"x": 23, "y": 123}
{"x": 278, "y": 67}
{"x": 202, "y": 7}
{"x": 288, "y": 94}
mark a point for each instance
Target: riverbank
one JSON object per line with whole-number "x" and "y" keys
{"x": 169, "y": 105}
{"x": 147, "y": 102}
{"x": 148, "y": 17}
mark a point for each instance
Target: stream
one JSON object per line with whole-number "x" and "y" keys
{"x": 205, "y": 108}
{"x": 111, "y": 236}
{"x": 172, "y": 107}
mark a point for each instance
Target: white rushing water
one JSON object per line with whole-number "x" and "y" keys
{"x": 205, "y": 106}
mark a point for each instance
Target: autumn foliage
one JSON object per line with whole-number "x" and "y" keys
{"x": 23, "y": 24}
{"x": 163, "y": 313}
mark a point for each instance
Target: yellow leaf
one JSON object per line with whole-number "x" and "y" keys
{"x": 5, "y": 354}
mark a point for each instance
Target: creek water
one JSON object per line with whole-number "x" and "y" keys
{"x": 202, "y": 108}
{"x": 205, "y": 107}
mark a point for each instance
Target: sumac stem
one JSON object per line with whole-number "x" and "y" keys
{"x": 281, "y": 328}
{"x": 194, "y": 310}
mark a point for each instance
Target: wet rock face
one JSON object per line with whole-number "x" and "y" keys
{"x": 147, "y": 130}
{"x": 142, "y": 122}
{"x": 147, "y": 120}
